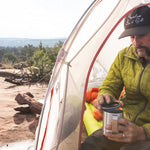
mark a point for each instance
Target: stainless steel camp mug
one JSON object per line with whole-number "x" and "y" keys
{"x": 111, "y": 115}
{"x": 111, "y": 118}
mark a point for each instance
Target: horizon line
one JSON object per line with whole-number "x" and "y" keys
{"x": 32, "y": 38}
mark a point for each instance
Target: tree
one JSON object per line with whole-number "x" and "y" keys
{"x": 57, "y": 46}
{"x": 1, "y": 54}
{"x": 44, "y": 59}
{"x": 9, "y": 58}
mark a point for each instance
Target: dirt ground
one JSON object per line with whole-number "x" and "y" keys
{"x": 15, "y": 126}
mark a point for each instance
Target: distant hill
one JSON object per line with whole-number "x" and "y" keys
{"x": 21, "y": 42}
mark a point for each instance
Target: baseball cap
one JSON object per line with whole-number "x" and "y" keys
{"x": 137, "y": 22}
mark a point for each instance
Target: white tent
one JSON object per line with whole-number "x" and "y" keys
{"x": 82, "y": 63}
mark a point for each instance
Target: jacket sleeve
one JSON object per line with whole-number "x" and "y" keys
{"x": 147, "y": 130}
{"x": 113, "y": 83}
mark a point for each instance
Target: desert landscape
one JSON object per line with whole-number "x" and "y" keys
{"x": 14, "y": 125}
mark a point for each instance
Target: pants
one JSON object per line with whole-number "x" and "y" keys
{"x": 97, "y": 141}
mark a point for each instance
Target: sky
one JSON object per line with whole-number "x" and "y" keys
{"x": 44, "y": 19}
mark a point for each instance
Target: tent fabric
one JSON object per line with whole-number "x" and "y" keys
{"x": 94, "y": 39}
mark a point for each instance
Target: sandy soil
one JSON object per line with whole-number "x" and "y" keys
{"x": 15, "y": 126}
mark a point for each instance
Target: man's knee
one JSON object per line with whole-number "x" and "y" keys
{"x": 92, "y": 141}
{"x": 140, "y": 145}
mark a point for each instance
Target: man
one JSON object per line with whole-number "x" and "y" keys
{"x": 131, "y": 69}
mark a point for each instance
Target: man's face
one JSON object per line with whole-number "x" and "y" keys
{"x": 142, "y": 45}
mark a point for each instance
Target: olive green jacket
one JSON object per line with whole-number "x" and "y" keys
{"x": 127, "y": 70}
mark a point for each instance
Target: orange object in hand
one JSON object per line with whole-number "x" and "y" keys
{"x": 97, "y": 114}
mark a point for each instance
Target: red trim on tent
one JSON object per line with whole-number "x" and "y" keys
{"x": 42, "y": 144}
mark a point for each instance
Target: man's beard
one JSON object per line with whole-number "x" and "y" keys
{"x": 146, "y": 49}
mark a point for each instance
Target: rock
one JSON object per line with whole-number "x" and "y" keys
{"x": 23, "y": 109}
{"x": 33, "y": 104}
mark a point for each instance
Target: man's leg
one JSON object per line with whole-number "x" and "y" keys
{"x": 97, "y": 141}
{"x": 140, "y": 145}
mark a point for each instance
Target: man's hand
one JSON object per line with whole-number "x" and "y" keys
{"x": 130, "y": 132}
{"x": 101, "y": 99}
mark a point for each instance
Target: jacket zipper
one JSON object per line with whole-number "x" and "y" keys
{"x": 140, "y": 79}
{"x": 140, "y": 92}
